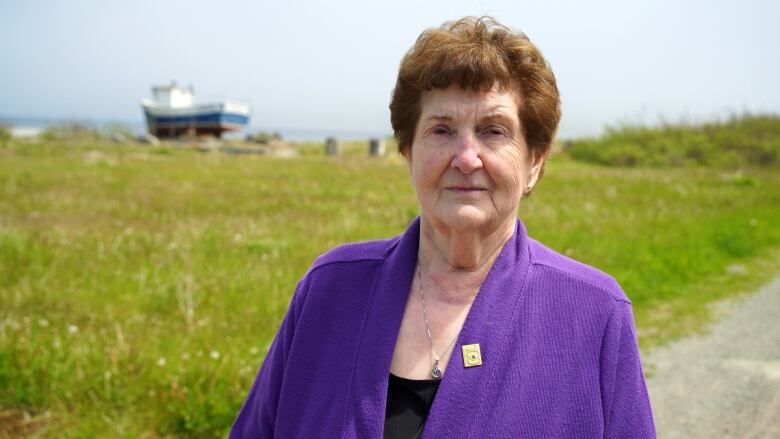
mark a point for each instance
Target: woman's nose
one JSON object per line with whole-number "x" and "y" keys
{"x": 467, "y": 154}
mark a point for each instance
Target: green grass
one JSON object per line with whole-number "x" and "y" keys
{"x": 742, "y": 140}
{"x": 141, "y": 287}
{"x": 347, "y": 148}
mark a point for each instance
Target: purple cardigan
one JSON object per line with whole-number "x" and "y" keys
{"x": 559, "y": 351}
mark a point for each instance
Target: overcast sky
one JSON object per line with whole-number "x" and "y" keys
{"x": 332, "y": 64}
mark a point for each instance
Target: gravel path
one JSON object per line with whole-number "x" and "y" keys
{"x": 726, "y": 383}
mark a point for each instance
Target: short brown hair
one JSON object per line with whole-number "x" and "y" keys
{"x": 476, "y": 54}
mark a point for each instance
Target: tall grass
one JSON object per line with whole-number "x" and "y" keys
{"x": 141, "y": 287}
{"x": 742, "y": 140}
{"x": 5, "y": 135}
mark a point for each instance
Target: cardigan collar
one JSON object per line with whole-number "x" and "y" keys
{"x": 462, "y": 390}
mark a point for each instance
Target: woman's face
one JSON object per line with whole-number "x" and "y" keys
{"x": 469, "y": 161}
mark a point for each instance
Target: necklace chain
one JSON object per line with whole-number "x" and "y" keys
{"x": 435, "y": 372}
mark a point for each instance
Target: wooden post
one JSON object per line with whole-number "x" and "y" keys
{"x": 331, "y": 147}
{"x": 376, "y": 147}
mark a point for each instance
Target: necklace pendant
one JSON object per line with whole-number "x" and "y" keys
{"x": 436, "y": 372}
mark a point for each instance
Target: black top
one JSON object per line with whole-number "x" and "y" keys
{"x": 408, "y": 405}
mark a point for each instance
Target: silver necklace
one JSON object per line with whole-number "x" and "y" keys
{"x": 435, "y": 371}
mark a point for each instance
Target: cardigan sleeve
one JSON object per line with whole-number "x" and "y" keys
{"x": 626, "y": 404}
{"x": 257, "y": 416}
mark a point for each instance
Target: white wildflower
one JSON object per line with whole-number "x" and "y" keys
{"x": 214, "y": 355}
{"x": 254, "y": 350}
{"x": 72, "y": 329}
{"x": 161, "y": 362}
{"x": 43, "y": 323}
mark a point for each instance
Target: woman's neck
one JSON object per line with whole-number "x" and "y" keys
{"x": 457, "y": 261}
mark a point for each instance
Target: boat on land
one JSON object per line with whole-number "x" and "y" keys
{"x": 173, "y": 112}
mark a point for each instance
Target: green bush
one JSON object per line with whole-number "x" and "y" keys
{"x": 739, "y": 141}
{"x": 265, "y": 138}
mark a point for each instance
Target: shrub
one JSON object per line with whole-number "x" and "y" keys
{"x": 739, "y": 141}
{"x": 265, "y": 138}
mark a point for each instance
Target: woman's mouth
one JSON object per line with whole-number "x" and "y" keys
{"x": 465, "y": 189}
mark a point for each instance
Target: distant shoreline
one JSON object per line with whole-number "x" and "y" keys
{"x": 139, "y": 127}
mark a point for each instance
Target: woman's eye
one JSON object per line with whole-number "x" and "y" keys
{"x": 440, "y": 130}
{"x": 494, "y": 131}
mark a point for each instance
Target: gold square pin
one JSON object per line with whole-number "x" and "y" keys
{"x": 471, "y": 355}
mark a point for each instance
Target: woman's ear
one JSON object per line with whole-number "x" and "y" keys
{"x": 536, "y": 169}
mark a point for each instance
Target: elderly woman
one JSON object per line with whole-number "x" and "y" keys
{"x": 463, "y": 326}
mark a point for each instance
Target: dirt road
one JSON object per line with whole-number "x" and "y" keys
{"x": 725, "y": 383}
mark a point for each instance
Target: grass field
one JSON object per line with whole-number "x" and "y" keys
{"x": 748, "y": 139}
{"x": 140, "y": 287}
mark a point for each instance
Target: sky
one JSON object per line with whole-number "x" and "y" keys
{"x": 331, "y": 65}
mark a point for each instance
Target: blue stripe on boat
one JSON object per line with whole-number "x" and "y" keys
{"x": 206, "y": 118}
